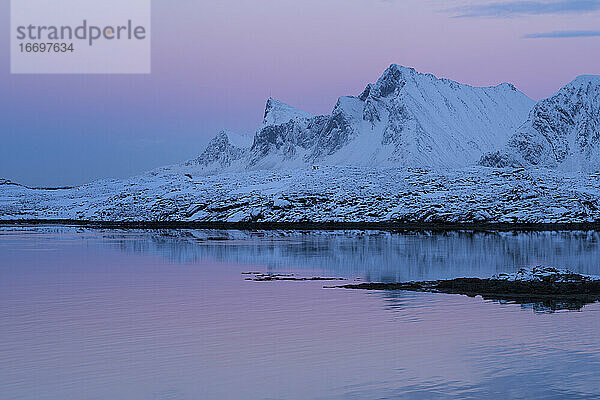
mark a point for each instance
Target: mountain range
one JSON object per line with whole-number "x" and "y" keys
{"x": 406, "y": 118}
{"x": 409, "y": 118}
{"x": 410, "y": 148}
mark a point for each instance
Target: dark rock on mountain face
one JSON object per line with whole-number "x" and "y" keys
{"x": 499, "y": 159}
{"x": 286, "y": 139}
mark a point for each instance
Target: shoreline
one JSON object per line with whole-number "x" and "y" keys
{"x": 308, "y": 226}
{"x": 549, "y": 293}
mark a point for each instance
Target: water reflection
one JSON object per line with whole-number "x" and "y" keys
{"x": 372, "y": 255}
{"x": 151, "y": 315}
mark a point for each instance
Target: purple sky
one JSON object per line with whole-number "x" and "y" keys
{"x": 216, "y": 62}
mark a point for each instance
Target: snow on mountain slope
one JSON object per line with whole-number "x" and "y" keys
{"x": 413, "y": 119}
{"x": 224, "y": 150}
{"x": 230, "y": 151}
{"x": 562, "y": 131}
{"x": 277, "y": 112}
{"x": 405, "y": 119}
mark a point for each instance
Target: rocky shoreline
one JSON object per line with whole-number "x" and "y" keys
{"x": 553, "y": 288}
{"x": 269, "y": 277}
{"x": 312, "y": 226}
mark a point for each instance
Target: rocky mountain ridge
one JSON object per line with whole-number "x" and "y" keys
{"x": 562, "y": 131}
{"x": 406, "y": 118}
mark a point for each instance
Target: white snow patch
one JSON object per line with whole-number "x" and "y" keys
{"x": 539, "y": 274}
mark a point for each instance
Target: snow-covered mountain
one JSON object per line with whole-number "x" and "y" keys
{"x": 562, "y": 131}
{"x": 379, "y": 156}
{"x": 406, "y": 118}
{"x": 231, "y": 151}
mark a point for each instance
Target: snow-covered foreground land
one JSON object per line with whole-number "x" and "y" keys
{"x": 326, "y": 194}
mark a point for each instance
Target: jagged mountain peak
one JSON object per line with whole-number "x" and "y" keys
{"x": 507, "y": 86}
{"x": 233, "y": 138}
{"x": 405, "y": 118}
{"x": 277, "y": 112}
{"x": 398, "y": 79}
{"x": 393, "y": 79}
{"x": 224, "y": 149}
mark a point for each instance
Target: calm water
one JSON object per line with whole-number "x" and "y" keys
{"x": 92, "y": 314}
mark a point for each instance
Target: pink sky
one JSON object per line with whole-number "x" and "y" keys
{"x": 216, "y": 62}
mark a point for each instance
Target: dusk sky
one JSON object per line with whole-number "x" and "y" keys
{"x": 214, "y": 64}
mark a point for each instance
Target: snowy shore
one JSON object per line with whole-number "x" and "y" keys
{"x": 475, "y": 195}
